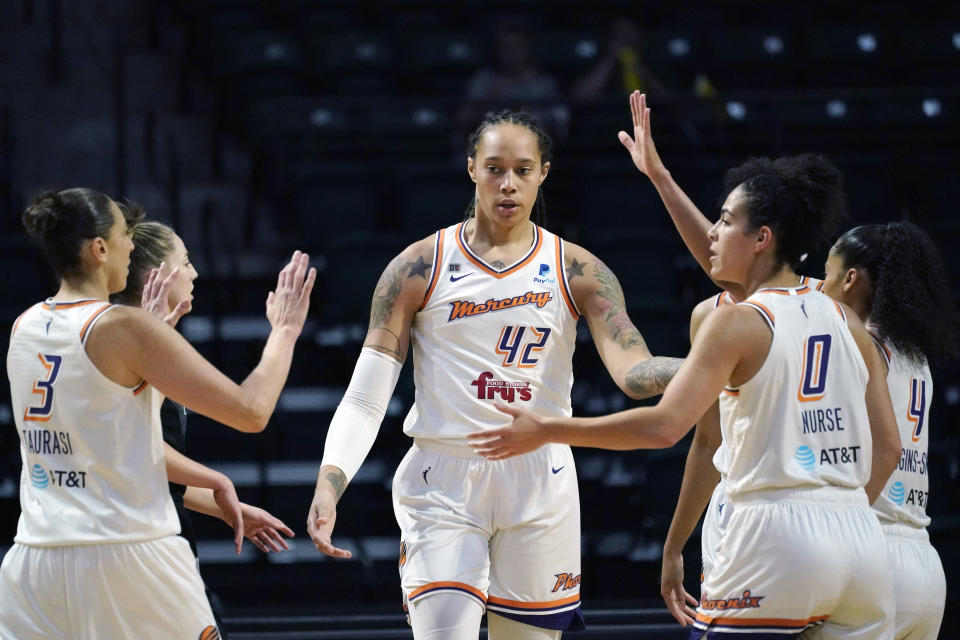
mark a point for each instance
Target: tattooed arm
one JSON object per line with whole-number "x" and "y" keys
{"x": 599, "y": 297}
{"x": 353, "y": 429}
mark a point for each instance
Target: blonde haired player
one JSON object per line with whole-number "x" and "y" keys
{"x": 96, "y": 553}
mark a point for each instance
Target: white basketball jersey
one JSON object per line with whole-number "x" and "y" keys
{"x": 92, "y": 450}
{"x": 720, "y": 456}
{"x": 904, "y": 498}
{"x": 801, "y": 421}
{"x": 485, "y": 335}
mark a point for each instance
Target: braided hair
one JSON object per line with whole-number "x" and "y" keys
{"x": 544, "y": 146}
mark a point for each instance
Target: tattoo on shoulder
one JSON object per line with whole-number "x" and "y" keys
{"x": 419, "y": 268}
{"x": 388, "y": 288}
{"x": 615, "y": 308}
{"x": 650, "y": 377}
{"x": 575, "y": 269}
{"x": 338, "y": 480}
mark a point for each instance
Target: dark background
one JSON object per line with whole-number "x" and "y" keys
{"x": 256, "y": 127}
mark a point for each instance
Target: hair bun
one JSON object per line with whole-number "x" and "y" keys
{"x": 43, "y": 214}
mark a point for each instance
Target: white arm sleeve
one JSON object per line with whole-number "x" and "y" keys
{"x": 357, "y": 420}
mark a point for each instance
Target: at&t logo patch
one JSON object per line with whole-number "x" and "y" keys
{"x": 805, "y": 457}
{"x": 38, "y": 477}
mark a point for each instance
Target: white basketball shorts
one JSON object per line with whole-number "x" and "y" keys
{"x": 146, "y": 589}
{"x": 794, "y": 561}
{"x": 506, "y": 532}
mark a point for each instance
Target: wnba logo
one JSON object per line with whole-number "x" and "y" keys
{"x": 38, "y": 477}
{"x": 897, "y": 493}
{"x": 805, "y": 458}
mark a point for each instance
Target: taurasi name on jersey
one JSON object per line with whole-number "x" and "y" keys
{"x": 42, "y": 441}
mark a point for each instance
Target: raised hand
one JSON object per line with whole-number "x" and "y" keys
{"x": 264, "y": 529}
{"x": 640, "y": 146}
{"x": 156, "y": 292}
{"x": 287, "y": 305}
{"x": 524, "y": 434}
{"x": 671, "y": 588}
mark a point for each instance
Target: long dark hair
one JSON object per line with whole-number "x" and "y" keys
{"x": 911, "y": 305}
{"x": 61, "y": 221}
{"x": 544, "y": 146}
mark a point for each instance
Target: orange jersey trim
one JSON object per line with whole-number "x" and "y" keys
{"x": 787, "y": 292}
{"x": 140, "y": 387}
{"x": 565, "y": 289}
{"x": 96, "y": 314}
{"x": 884, "y": 348}
{"x": 731, "y": 392}
{"x": 435, "y": 277}
{"x": 785, "y": 623}
{"x": 68, "y": 305}
{"x": 16, "y": 323}
{"x": 519, "y": 604}
{"x": 458, "y": 586}
{"x": 766, "y": 313}
{"x": 840, "y": 310}
{"x": 480, "y": 264}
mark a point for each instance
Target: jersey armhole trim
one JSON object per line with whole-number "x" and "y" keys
{"x": 435, "y": 273}
{"x": 565, "y": 288}
{"x": 92, "y": 320}
{"x": 763, "y": 311}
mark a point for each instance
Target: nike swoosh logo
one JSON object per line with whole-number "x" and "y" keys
{"x": 557, "y": 470}
{"x": 455, "y": 278}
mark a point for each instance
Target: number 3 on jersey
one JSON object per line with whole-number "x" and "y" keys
{"x": 514, "y": 349}
{"x": 816, "y": 357}
{"x": 44, "y": 387}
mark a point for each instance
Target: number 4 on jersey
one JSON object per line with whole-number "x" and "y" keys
{"x": 917, "y": 406}
{"x": 44, "y": 387}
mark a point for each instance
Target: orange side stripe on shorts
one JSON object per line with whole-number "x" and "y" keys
{"x": 534, "y": 605}
{"x": 760, "y": 622}
{"x": 447, "y": 585}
